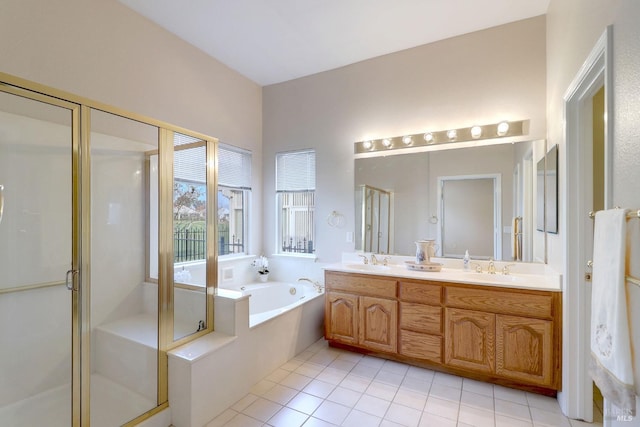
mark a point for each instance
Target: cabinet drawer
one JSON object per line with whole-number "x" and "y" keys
{"x": 421, "y": 292}
{"x": 420, "y": 317}
{"x": 421, "y": 346}
{"x": 361, "y": 284}
{"x": 520, "y": 303}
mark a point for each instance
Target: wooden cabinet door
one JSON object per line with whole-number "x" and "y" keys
{"x": 341, "y": 322}
{"x": 470, "y": 340}
{"x": 524, "y": 349}
{"x": 378, "y": 329}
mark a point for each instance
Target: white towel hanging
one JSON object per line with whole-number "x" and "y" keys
{"x": 611, "y": 358}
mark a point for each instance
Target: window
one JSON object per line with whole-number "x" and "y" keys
{"x": 234, "y": 189}
{"x": 189, "y": 200}
{"x": 295, "y": 193}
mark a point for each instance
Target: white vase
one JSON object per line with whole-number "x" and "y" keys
{"x": 264, "y": 277}
{"x": 425, "y": 249}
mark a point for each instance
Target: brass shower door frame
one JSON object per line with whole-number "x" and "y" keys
{"x": 80, "y": 108}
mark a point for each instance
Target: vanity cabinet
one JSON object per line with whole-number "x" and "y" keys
{"x": 509, "y": 334}
{"x": 524, "y": 349}
{"x": 342, "y": 317}
{"x": 362, "y": 311}
{"x": 420, "y": 335}
{"x": 503, "y": 335}
{"x": 470, "y": 340}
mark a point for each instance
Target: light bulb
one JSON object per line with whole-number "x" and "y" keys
{"x": 386, "y": 142}
{"x": 367, "y": 145}
{"x": 428, "y": 137}
{"x": 503, "y": 128}
{"x": 452, "y": 134}
{"x": 407, "y": 140}
{"x": 476, "y": 132}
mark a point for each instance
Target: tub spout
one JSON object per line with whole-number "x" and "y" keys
{"x": 318, "y": 287}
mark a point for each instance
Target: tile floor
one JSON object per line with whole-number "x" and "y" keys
{"x": 323, "y": 387}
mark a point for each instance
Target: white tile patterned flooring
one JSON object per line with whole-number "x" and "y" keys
{"x": 324, "y": 387}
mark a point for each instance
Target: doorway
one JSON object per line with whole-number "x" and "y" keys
{"x": 40, "y": 341}
{"x": 587, "y": 188}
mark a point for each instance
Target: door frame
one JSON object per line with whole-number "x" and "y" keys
{"x": 78, "y": 273}
{"x": 576, "y": 398}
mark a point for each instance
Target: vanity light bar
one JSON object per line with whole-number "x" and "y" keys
{"x": 474, "y": 133}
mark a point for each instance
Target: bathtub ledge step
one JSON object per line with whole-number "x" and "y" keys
{"x": 202, "y": 347}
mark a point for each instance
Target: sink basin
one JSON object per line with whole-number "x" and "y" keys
{"x": 367, "y": 267}
{"x": 515, "y": 279}
{"x": 501, "y": 278}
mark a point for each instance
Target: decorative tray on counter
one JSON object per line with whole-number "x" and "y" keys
{"x": 431, "y": 266}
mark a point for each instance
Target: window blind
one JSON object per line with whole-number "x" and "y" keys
{"x": 296, "y": 171}
{"x": 190, "y": 165}
{"x": 234, "y": 167}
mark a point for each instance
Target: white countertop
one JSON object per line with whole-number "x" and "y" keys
{"x": 521, "y": 275}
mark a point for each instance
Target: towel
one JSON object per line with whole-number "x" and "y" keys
{"x": 611, "y": 360}
{"x": 516, "y": 238}
{"x": 633, "y": 293}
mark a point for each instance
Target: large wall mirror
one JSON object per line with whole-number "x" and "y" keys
{"x": 480, "y": 199}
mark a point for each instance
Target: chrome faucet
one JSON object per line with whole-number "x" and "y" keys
{"x": 505, "y": 269}
{"x": 364, "y": 258}
{"x": 491, "y": 269}
{"x": 376, "y": 261}
{"x": 318, "y": 287}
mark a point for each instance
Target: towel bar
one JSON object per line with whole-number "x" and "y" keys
{"x": 630, "y": 214}
{"x": 633, "y": 280}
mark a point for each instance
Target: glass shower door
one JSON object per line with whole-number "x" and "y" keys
{"x": 36, "y": 251}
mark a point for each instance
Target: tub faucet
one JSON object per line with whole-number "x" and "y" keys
{"x": 374, "y": 260}
{"x": 364, "y": 258}
{"x": 318, "y": 287}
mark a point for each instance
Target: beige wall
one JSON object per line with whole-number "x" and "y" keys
{"x": 104, "y": 51}
{"x": 573, "y": 28}
{"x": 483, "y": 77}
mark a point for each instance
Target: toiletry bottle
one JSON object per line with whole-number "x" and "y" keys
{"x": 465, "y": 260}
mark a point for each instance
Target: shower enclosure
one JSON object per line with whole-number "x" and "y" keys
{"x": 88, "y": 303}
{"x": 373, "y": 217}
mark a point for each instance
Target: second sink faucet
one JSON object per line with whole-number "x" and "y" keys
{"x": 376, "y": 261}
{"x": 491, "y": 269}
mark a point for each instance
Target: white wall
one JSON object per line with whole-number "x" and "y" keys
{"x": 483, "y": 77}
{"x": 104, "y": 51}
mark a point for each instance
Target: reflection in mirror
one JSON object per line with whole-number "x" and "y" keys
{"x": 470, "y": 202}
{"x": 412, "y": 179}
{"x": 548, "y": 191}
{"x": 189, "y": 234}
{"x": 373, "y": 206}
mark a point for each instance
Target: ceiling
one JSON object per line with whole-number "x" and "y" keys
{"x": 278, "y": 40}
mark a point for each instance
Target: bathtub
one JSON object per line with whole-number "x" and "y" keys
{"x": 271, "y": 299}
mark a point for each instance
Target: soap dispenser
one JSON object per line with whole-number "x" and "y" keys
{"x": 466, "y": 261}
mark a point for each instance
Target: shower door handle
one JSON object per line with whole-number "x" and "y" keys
{"x": 69, "y": 283}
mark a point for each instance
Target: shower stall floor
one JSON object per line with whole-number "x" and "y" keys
{"x": 111, "y": 405}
